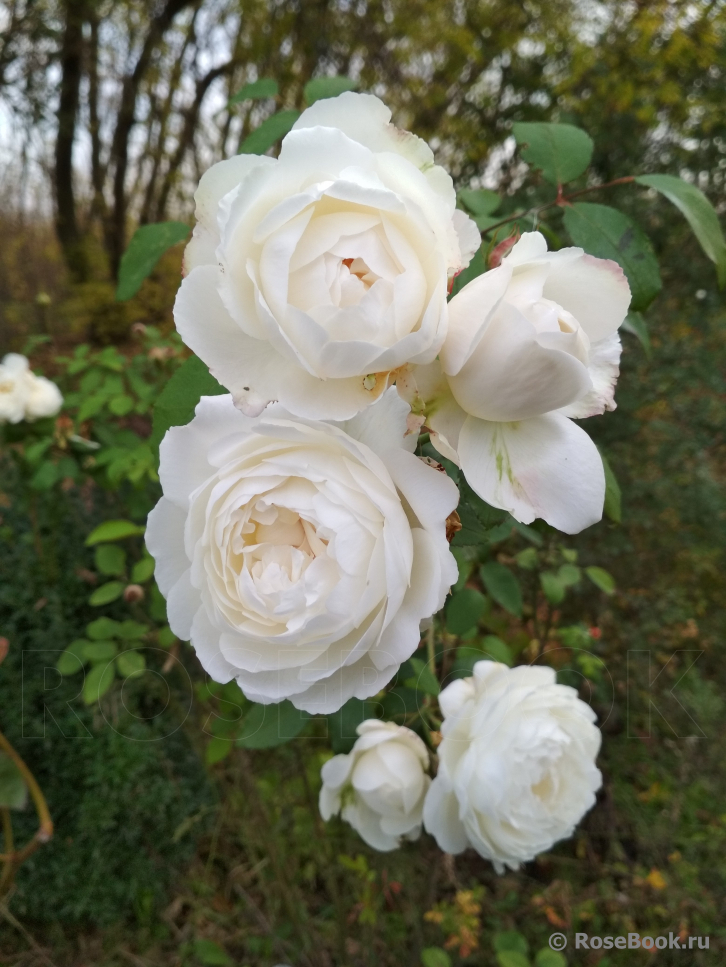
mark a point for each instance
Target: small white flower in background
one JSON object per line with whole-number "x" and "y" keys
{"x": 300, "y": 557}
{"x": 516, "y": 764}
{"x": 23, "y": 395}
{"x": 379, "y": 787}
{"x": 532, "y": 344}
{"x": 313, "y": 276}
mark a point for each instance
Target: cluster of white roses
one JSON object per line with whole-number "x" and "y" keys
{"x": 299, "y": 541}
{"x": 516, "y": 769}
{"x": 23, "y": 395}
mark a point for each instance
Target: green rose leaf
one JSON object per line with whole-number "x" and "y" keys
{"x": 480, "y": 201}
{"x": 217, "y": 749}
{"x": 177, "y": 401}
{"x": 142, "y": 570}
{"x": 131, "y": 664}
{"x": 510, "y": 940}
{"x": 103, "y": 628}
{"x": 464, "y": 610}
{"x": 435, "y": 957}
{"x": 549, "y": 958}
{"x": 512, "y": 958}
{"x": 113, "y": 530}
{"x": 423, "y": 678}
{"x": 269, "y": 132}
{"x": 255, "y": 91}
{"x": 503, "y": 586}
{"x": 13, "y": 791}
{"x": 609, "y": 234}
{"x": 211, "y": 954}
{"x": 561, "y": 151}
{"x": 342, "y": 724}
{"x": 601, "y": 579}
{"x": 613, "y": 494}
{"x": 98, "y": 681}
{"x": 73, "y": 658}
{"x": 106, "y": 593}
{"x": 554, "y": 589}
{"x": 322, "y": 87}
{"x": 110, "y": 559}
{"x": 145, "y": 249}
{"x": 266, "y": 726}
{"x": 99, "y": 651}
{"x": 699, "y": 213}
{"x": 635, "y": 324}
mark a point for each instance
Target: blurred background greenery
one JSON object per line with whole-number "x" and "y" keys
{"x": 110, "y": 112}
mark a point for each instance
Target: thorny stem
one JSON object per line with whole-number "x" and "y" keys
{"x": 560, "y": 201}
{"x": 45, "y": 830}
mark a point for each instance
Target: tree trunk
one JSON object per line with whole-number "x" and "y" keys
{"x": 71, "y": 65}
{"x": 125, "y": 122}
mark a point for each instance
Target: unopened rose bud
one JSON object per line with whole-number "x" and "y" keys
{"x": 133, "y": 593}
{"x": 499, "y": 251}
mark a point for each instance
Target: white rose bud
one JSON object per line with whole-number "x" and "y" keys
{"x": 312, "y": 276}
{"x": 300, "y": 557}
{"x": 516, "y": 764}
{"x": 23, "y": 395}
{"x": 379, "y": 788}
{"x": 531, "y": 344}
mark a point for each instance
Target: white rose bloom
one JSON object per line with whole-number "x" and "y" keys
{"x": 311, "y": 277}
{"x": 23, "y": 395}
{"x": 380, "y": 786}
{"x": 300, "y": 557}
{"x": 531, "y": 344}
{"x": 516, "y": 764}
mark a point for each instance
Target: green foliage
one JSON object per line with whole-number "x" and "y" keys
{"x": 636, "y": 324}
{"x": 13, "y": 791}
{"x": 342, "y": 724}
{"x": 175, "y": 405}
{"x": 321, "y": 87}
{"x": 423, "y": 679}
{"x": 111, "y": 591}
{"x": 613, "y": 494}
{"x": 561, "y": 151}
{"x": 269, "y": 725}
{"x": 256, "y": 91}
{"x": 435, "y": 957}
{"x": 601, "y": 579}
{"x": 269, "y": 132}
{"x": 464, "y": 610}
{"x": 148, "y": 244}
{"x": 210, "y": 954}
{"x": 699, "y": 213}
{"x": 113, "y": 530}
{"x": 609, "y": 234}
{"x": 503, "y": 586}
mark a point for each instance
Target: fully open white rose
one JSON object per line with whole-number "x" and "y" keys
{"x": 516, "y": 764}
{"x": 310, "y": 277}
{"x": 379, "y": 787}
{"x": 300, "y": 557}
{"x": 23, "y": 395}
{"x": 531, "y": 344}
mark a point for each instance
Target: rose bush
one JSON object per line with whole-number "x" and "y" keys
{"x": 23, "y": 395}
{"x": 379, "y": 787}
{"x": 300, "y": 557}
{"x": 531, "y": 345}
{"x": 310, "y": 278}
{"x": 516, "y": 764}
